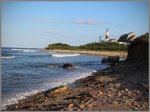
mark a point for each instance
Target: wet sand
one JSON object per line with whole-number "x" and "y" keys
{"x": 123, "y": 87}
{"x": 99, "y": 53}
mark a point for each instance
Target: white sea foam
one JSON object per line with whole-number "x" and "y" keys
{"x": 8, "y": 57}
{"x": 29, "y": 50}
{"x": 16, "y": 49}
{"x": 14, "y": 98}
{"x": 71, "y": 77}
{"x": 25, "y": 50}
{"x": 64, "y": 55}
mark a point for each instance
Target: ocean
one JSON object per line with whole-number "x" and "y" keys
{"x": 28, "y": 71}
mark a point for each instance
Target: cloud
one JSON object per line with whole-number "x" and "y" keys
{"x": 88, "y": 22}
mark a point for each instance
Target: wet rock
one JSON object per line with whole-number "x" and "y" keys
{"x": 57, "y": 91}
{"x": 104, "y": 60}
{"x": 68, "y": 65}
{"x": 111, "y": 59}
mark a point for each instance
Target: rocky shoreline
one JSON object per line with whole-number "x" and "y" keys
{"x": 123, "y": 87}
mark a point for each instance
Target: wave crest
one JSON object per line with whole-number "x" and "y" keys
{"x": 25, "y": 50}
{"x": 64, "y": 55}
{"x": 8, "y": 57}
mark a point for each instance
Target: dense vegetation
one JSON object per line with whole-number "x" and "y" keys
{"x": 113, "y": 46}
{"x": 91, "y": 46}
{"x": 58, "y": 46}
{"x": 104, "y": 46}
{"x": 144, "y": 37}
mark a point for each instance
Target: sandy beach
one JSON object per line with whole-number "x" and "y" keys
{"x": 100, "y": 53}
{"x": 123, "y": 87}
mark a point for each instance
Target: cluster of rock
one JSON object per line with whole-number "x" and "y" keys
{"x": 111, "y": 59}
{"x": 127, "y": 37}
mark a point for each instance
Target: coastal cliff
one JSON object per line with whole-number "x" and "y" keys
{"x": 139, "y": 49}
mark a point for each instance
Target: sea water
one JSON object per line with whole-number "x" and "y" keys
{"x": 28, "y": 71}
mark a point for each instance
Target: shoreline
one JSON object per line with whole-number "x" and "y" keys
{"x": 113, "y": 88}
{"x": 122, "y": 54}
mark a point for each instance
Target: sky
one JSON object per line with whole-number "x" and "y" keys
{"x": 37, "y": 24}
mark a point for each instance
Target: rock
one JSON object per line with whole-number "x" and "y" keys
{"x": 109, "y": 95}
{"x": 116, "y": 103}
{"x": 104, "y": 60}
{"x": 90, "y": 105}
{"x": 82, "y": 106}
{"x": 58, "y": 91}
{"x": 100, "y": 93}
{"x": 111, "y": 59}
{"x": 70, "y": 107}
{"x": 68, "y": 65}
{"x": 126, "y": 90}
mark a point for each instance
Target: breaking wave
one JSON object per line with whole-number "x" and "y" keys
{"x": 16, "y": 49}
{"x": 14, "y": 99}
{"x": 64, "y": 55}
{"x": 25, "y": 50}
{"x": 29, "y": 50}
{"x": 8, "y": 57}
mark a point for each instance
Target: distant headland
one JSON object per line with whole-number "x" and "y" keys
{"x": 104, "y": 48}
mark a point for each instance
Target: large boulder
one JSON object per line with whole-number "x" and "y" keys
{"x": 111, "y": 59}
{"x": 68, "y": 65}
{"x": 127, "y": 37}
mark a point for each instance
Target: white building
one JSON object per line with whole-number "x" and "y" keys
{"x": 112, "y": 40}
{"x": 124, "y": 43}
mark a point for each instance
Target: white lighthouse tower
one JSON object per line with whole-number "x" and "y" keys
{"x": 107, "y": 35}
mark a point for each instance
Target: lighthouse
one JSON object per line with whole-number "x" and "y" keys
{"x": 107, "y": 35}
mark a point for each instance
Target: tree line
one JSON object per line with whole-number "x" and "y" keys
{"x": 90, "y": 46}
